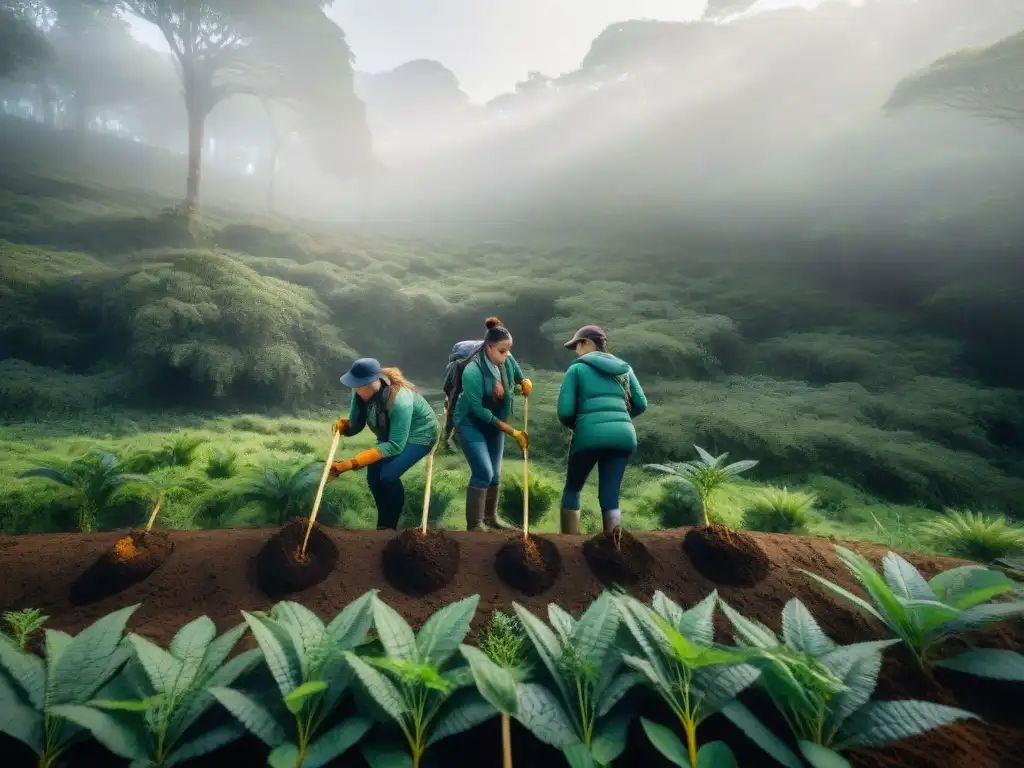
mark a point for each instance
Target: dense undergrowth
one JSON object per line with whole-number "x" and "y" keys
{"x": 880, "y": 378}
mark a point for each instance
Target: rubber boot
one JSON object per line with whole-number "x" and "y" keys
{"x": 476, "y": 498}
{"x": 612, "y": 519}
{"x": 491, "y": 519}
{"x": 570, "y": 521}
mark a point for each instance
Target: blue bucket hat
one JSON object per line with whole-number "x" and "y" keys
{"x": 364, "y": 371}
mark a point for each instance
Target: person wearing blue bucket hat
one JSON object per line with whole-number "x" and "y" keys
{"x": 402, "y": 421}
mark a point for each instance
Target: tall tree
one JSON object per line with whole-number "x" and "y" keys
{"x": 987, "y": 81}
{"x": 21, "y": 43}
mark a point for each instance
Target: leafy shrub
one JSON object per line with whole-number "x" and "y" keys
{"x": 221, "y": 464}
{"x": 542, "y": 497}
{"x": 705, "y": 475}
{"x": 779, "y": 510}
{"x": 443, "y": 495}
{"x": 979, "y": 537}
{"x": 678, "y": 505}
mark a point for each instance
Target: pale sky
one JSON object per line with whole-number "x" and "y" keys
{"x": 488, "y": 44}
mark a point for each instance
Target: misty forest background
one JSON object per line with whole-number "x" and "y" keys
{"x": 802, "y": 228}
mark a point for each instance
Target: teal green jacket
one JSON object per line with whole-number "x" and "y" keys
{"x": 592, "y": 403}
{"x": 476, "y": 405}
{"x": 412, "y": 421}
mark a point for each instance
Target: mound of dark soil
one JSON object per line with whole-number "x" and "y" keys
{"x": 529, "y": 565}
{"x": 725, "y": 556}
{"x": 132, "y": 558}
{"x": 417, "y": 563}
{"x": 618, "y": 557}
{"x": 279, "y": 571}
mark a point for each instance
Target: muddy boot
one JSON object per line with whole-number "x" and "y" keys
{"x": 612, "y": 519}
{"x": 491, "y": 519}
{"x": 476, "y": 498}
{"x": 571, "y": 521}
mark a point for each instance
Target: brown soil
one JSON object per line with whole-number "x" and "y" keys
{"x": 618, "y": 558}
{"x": 210, "y": 573}
{"x": 281, "y": 571}
{"x": 725, "y": 556}
{"x": 531, "y": 565}
{"x": 419, "y": 564}
{"x": 131, "y": 559}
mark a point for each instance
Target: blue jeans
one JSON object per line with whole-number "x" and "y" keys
{"x": 385, "y": 480}
{"x": 482, "y": 447}
{"x": 611, "y": 467}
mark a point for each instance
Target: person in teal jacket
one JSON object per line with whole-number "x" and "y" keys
{"x": 481, "y": 412}
{"x": 598, "y": 400}
{"x": 403, "y": 423}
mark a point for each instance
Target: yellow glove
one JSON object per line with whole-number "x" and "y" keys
{"x": 522, "y": 439}
{"x": 340, "y": 426}
{"x": 524, "y": 388}
{"x": 358, "y": 461}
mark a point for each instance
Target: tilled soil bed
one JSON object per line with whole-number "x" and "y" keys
{"x": 212, "y": 573}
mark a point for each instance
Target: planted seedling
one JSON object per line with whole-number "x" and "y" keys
{"x": 924, "y": 614}
{"x": 498, "y": 666}
{"x": 717, "y": 552}
{"x": 23, "y": 623}
{"x": 306, "y": 660}
{"x": 571, "y": 705}
{"x": 422, "y": 684}
{"x": 38, "y": 697}
{"x": 159, "y": 711}
{"x": 824, "y": 692}
{"x": 678, "y": 659}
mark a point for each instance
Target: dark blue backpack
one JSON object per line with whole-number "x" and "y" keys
{"x": 463, "y": 353}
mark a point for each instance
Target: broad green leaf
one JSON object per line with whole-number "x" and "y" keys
{"x": 91, "y": 658}
{"x": 860, "y": 602}
{"x": 251, "y": 714}
{"x": 969, "y": 585}
{"x": 278, "y": 652}
{"x": 349, "y": 628}
{"x": 752, "y": 632}
{"x": 716, "y": 754}
{"x": 880, "y": 723}
{"x": 697, "y": 623}
{"x": 980, "y": 616}
{"x": 17, "y": 719}
{"x": 610, "y": 738}
{"x": 595, "y": 631}
{"x": 189, "y": 646}
{"x": 843, "y": 658}
{"x": 666, "y": 742}
{"x": 225, "y": 675}
{"x": 161, "y": 667}
{"x": 904, "y": 579}
{"x": 206, "y": 742}
{"x": 387, "y": 754}
{"x": 306, "y": 631}
{"x": 442, "y": 633}
{"x": 120, "y": 735}
{"x": 927, "y": 616}
{"x": 284, "y": 756}
{"x": 639, "y": 620}
{"x": 220, "y": 648}
{"x": 578, "y": 756}
{"x": 495, "y": 683}
{"x": 993, "y": 663}
{"x": 125, "y": 705}
{"x": 462, "y": 711}
{"x": 873, "y": 584}
{"x": 670, "y": 610}
{"x": 738, "y": 714}
{"x": 822, "y": 757}
{"x": 860, "y": 681}
{"x": 26, "y": 669}
{"x": 562, "y": 622}
{"x": 802, "y": 632}
{"x": 382, "y": 690}
{"x": 395, "y": 634}
{"x": 542, "y": 714}
{"x": 716, "y": 685}
{"x": 618, "y": 687}
{"x": 545, "y": 643}
{"x": 336, "y": 742}
{"x": 56, "y": 643}
{"x": 297, "y": 698}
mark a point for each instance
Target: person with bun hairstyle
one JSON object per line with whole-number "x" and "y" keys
{"x": 599, "y": 398}
{"x": 489, "y": 380}
{"x": 403, "y": 423}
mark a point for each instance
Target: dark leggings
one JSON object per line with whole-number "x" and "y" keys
{"x": 611, "y": 467}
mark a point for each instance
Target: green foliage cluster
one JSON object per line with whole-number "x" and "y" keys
{"x": 570, "y": 680}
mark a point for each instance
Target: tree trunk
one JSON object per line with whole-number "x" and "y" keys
{"x": 196, "y": 130}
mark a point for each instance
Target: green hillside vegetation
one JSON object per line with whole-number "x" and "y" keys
{"x": 122, "y": 330}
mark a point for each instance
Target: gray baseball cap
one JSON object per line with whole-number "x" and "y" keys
{"x": 592, "y": 332}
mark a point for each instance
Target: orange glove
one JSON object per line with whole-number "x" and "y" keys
{"x": 358, "y": 461}
{"x": 340, "y": 426}
{"x": 525, "y": 387}
{"x": 522, "y": 438}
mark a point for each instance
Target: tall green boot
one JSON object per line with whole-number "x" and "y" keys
{"x": 476, "y": 498}
{"x": 491, "y": 519}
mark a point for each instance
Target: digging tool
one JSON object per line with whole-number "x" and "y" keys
{"x": 152, "y": 515}
{"x": 320, "y": 493}
{"x": 430, "y": 476}
{"x": 526, "y": 472}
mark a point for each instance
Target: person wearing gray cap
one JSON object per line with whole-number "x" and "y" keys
{"x": 598, "y": 400}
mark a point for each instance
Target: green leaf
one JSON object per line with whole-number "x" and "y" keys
{"x": 578, "y": 756}
{"x": 969, "y": 585}
{"x": 297, "y": 698}
{"x": 495, "y": 683}
{"x": 993, "y": 663}
{"x": 388, "y": 754}
{"x": 618, "y": 687}
{"x": 542, "y": 714}
{"x": 904, "y": 579}
{"x": 382, "y": 690}
{"x": 978, "y": 617}
{"x": 462, "y": 711}
{"x": 306, "y": 632}
{"x": 666, "y": 742}
{"x": 284, "y": 756}
{"x": 751, "y": 632}
{"x": 251, "y": 714}
{"x": 349, "y": 628}
{"x": 716, "y": 754}
{"x": 610, "y": 738}
{"x": 56, "y": 643}
{"x": 17, "y": 719}
{"x": 860, "y": 681}
{"x": 860, "y": 602}
{"x": 395, "y": 634}
{"x": 715, "y": 685}
{"x": 822, "y": 757}
{"x": 880, "y": 723}
{"x": 118, "y": 735}
{"x": 189, "y": 646}
{"x": 562, "y": 622}
{"x": 91, "y": 658}
{"x": 596, "y": 630}
{"x": 25, "y": 668}
{"x": 278, "y": 652}
{"x": 738, "y": 714}
{"x": 696, "y": 623}
{"x": 802, "y": 632}
{"x": 336, "y": 742}
{"x": 873, "y": 584}
{"x": 206, "y": 742}
{"x": 442, "y": 633}
{"x": 545, "y": 643}
{"x": 126, "y": 705}
{"x": 161, "y": 667}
